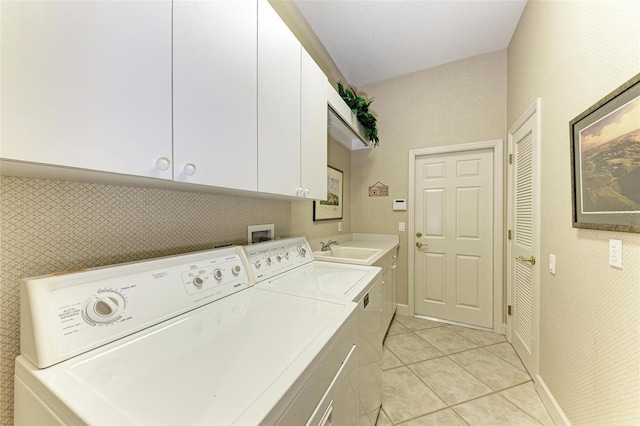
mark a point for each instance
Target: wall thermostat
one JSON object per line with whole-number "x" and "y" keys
{"x": 399, "y": 204}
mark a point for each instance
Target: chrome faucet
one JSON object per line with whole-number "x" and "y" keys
{"x": 327, "y": 246}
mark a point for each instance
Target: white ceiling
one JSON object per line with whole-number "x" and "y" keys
{"x": 373, "y": 40}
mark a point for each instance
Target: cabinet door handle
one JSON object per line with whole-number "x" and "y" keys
{"x": 189, "y": 169}
{"x": 163, "y": 163}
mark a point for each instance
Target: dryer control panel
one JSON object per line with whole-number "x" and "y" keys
{"x": 65, "y": 314}
{"x": 271, "y": 258}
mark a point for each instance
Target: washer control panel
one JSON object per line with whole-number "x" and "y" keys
{"x": 70, "y": 313}
{"x": 271, "y": 258}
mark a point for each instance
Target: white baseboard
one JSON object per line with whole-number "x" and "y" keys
{"x": 550, "y": 403}
{"x": 504, "y": 329}
{"x": 402, "y": 309}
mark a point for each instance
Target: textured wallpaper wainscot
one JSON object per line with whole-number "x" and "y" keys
{"x": 48, "y": 226}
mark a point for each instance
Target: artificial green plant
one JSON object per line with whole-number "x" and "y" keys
{"x": 360, "y": 108}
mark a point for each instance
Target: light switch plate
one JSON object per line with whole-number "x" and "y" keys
{"x": 401, "y": 226}
{"x": 615, "y": 253}
{"x": 552, "y": 264}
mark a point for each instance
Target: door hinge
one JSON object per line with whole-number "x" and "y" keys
{"x": 510, "y": 158}
{"x": 509, "y": 310}
{"x": 509, "y": 233}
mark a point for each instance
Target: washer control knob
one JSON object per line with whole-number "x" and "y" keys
{"x": 236, "y": 270}
{"x": 279, "y": 258}
{"x": 286, "y": 255}
{"x": 258, "y": 264}
{"x": 302, "y": 250}
{"x": 198, "y": 281}
{"x": 218, "y": 274}
{"x": 268, "y": 261}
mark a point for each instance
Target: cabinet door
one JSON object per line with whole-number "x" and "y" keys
{"x": 313, "y": 130}
{"x": 215, "y": 92}
{"x": 394, "y": 284}
{"x": 386, "y": 299}
{"x": 278, "y": 104}
{"x": 87, "y": 84}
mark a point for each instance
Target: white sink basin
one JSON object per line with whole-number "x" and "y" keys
{"x": 343, "y": 254}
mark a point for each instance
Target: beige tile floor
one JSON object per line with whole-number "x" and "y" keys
{"x": 438, "y": 374}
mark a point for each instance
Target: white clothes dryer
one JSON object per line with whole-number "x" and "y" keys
{"x": 287, "y": 266}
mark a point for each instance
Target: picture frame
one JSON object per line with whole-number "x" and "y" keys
{"x": 605, "y": 162}
{"x": 331, "y": 209}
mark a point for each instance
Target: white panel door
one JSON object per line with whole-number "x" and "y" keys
{"x": 87, "y": 84}
{"x": 454, "y": 237}
{"x": 279, "y": 63}
{"x": 523, "y": 247}
{"x": 313, "y": 139}
{"x": 215, "y": 92}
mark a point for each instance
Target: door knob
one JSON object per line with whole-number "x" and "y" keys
{"x": 531, "y": 260}
{"x": 420, "y": 245}
{"x": 418, "y": 234}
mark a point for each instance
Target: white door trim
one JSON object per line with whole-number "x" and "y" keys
{"x": 498, "y": 190}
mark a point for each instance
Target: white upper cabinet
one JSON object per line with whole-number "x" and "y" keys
{"x": 218, "y": 93}
{"x": 215, "y": 93}
{"x": 279, "y": 55}
{"x": 313, "y": 130}
{"x": 292, "y": 113}
{"x": 87, "y": 84}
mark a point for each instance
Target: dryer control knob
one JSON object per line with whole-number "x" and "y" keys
{"x": 257, "y": 264}
{"x": 236, "y": 270}
{"x": 198, "y": 281}
{"x": 103, "y": 308}
{"x": 302, "y": 250}
{"x": 279, "y": 258}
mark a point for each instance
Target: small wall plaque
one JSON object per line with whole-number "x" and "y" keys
{"x": 378, "y": 189}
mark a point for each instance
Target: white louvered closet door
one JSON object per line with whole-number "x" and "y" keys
{"x": 523, "y": 246}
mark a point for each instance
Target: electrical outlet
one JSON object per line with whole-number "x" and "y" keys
{"x": 615, "y": 253}
{"x": 552, "y": 264}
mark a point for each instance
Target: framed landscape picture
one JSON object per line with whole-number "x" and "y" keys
{"x": 605, "y": 151}
{"x": 332, "y": 208}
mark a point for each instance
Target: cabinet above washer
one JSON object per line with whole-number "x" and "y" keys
{"x": 160, "y": 94}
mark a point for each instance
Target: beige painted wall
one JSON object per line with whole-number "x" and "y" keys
{"x": 571, "y": 54}
{"x": 302, "y": 222}
{"x": 460, "y": 102}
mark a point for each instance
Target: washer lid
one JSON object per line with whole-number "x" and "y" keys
{"x": 228, "y": 362}
{"x": 325, "y": 280}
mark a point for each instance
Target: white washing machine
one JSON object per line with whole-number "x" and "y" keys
{"x": 287, "y": 266}
{"x": 181, "y": 340}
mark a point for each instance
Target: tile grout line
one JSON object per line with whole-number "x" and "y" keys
{"x": 494, "y": 392}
